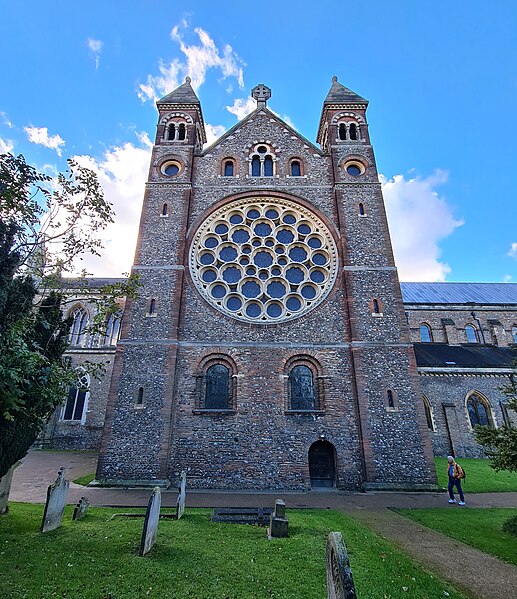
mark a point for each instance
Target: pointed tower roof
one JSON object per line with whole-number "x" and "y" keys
{"x": 339, "y": 94}
{"x": 184, "y": 94}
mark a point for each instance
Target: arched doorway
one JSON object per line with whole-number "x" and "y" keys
{"x": 322, "y": 464}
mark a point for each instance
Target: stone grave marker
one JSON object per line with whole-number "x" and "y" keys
{"x": 340, "y": 584}
{"x": 152, "y": 517}
{"x": 5, "y": 488}
{"x": 56, "y": 501}
{"x": 81, "y": 509}
{"x": 258, "y": 516}
{"x": 278, "y": 522}
{"x": 180, "y": 504}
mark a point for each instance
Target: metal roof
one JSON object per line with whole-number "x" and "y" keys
{"x": 459, "y": 293}
{"x": 463, "y": 356}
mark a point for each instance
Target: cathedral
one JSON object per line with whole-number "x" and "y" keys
{"x": 271, "y": 345}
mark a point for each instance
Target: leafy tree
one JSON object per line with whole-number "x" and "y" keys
{"x": 46, "y": 224}
{"x": 501, "y": 443}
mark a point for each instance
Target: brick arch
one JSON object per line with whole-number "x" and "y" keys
{"x": 317, "y": 379}
{"x": 200, "y": 373}
{"x": 264, "y": 194}
{"x": 352, "y": 115}
{"x": 485, "y": 401}
{"x": 176, "y": 115}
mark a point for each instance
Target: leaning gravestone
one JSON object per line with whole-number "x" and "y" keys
{"x": 152, "y": 517}
{"x": 81, "y": 509}
{"x": 180, "y": 504}
{"x": 340, "y": 584}
{"x": 56, "y": 501}
{"x": 278, "y": 523}
{"x": 5, "y": 488}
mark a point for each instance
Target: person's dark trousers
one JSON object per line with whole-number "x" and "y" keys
{"x": 455, "y": 482}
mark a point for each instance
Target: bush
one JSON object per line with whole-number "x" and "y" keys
{"x": 510, "y": 526}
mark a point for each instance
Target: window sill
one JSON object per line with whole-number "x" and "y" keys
{"x": 377, "y": 314}
{"x": 310, "y": 412}
{"x": 213, "y": 411}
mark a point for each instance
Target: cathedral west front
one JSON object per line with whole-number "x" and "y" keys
{"x": 271, "y": 345}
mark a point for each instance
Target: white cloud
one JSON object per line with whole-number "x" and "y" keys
{"x": 6, "y": 146}
{"x": 95, "y": 47}
{"x": 6, "y": 120}
{"x": 198, "y": 60}
{"x": 40, "y": 136}
{"x": 122, "y": 171}
{"x": 512, "y": 252}
{"x": 418, "y": 220}
{"x": 213, "y": 132}
{"x": 507, "y": 278}
{"x": 242, "y": 107}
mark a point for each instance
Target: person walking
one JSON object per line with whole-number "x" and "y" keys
{"x": 456, "y": 473}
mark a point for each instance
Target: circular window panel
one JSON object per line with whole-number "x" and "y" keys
{"x": 263, "y": 260}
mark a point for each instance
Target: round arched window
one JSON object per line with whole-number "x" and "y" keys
{"x": 263, "y": 260}
{"x": 171, "y": 168}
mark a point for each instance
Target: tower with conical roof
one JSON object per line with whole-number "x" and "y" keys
{"x": 268, "y": 347}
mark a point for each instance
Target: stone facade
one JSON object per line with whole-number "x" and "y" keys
{"x": 347, "y": 354}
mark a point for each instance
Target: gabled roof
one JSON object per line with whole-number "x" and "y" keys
{"x": 459, "y": 293}
{"x": 339, "y": 94}
{"x": 270, "y": 114}
{"x": 441, "y": 355}
{"x": 184, "y": 94}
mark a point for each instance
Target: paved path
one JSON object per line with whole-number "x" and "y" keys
{"x": 480, "y": 575}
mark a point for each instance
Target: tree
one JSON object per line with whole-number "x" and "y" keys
{"x": 501, "y": 443}
{"x": 46, "y": 224}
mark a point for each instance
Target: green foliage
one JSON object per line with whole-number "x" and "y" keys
{"x": 85, "y": 480}
{"x": 194, "y": 557}
{"x": 501, "y": 443}
{"x": 481, "y": 478}
{"x": 510, "y": 526}
{"x": 45, "y": 225}
{"x": 478, "y": 527}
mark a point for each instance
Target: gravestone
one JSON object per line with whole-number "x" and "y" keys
{"x": 340, "y": 584}
{"x": 278, "y": 523}
{"x": 5, "y": 488}
{"x": 180, "y": 504}
{"x": 152, "y": 517}
{"x": 56, "y": 501}
{"x": 80, "y": 509}
{"x": 258, "y": 516}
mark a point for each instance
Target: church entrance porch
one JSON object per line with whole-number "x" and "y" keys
{"x": 322, "y": 464}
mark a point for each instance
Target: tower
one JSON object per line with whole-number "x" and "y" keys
{"x": 268, "y": 347}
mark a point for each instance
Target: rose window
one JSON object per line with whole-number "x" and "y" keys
{"x": 263, "y": 260}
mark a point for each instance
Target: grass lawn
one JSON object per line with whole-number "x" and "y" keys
{"x": 478, "y": 527}
{"x": 481, "y": 478}
{"x": 197, "y": 559}
{"x": 84, "y": 480}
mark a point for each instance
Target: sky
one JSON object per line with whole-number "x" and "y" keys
{"x": 80, "y": 79}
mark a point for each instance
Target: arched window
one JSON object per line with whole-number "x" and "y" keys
{"x": 181, "y": 131}
{"x": 112, "y": 329}
{"x": 152, "y": 307}
{"x": 478, "y": 411}
{"x": 426, "y": 335}
{"x": 74, "y": 408}
{"x": 140, "y": 396}
{"x": 353, "y": 131}
{"x": 342, "y": 131}
{"x": 390, "y": 398}
{"x": 77, "y": 335}
{"x": 255, "y": 166}
{"x": 228, "y": 168}
{"x": 376, "y": 308}
{"x": 165, "y": 210}
{"x": 268, "y": 166}
{"x": 217, "y": 388}
{"x": 428, "y": 413}
{"x": 514, "y": 333}
{"x": 295, "y": 168}
{"x": 301, "y": 389}
{"x": 361, "y": 209}
{"x": 171, "y": 131}
{"x": 472, "y": 334}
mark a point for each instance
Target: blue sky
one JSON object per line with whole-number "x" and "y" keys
{"x": 441, "y": 77}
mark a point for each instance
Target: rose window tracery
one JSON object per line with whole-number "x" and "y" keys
{"x": 263, "y": 260}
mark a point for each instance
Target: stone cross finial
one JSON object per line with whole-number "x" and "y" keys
{"x": 261, "y": 93}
